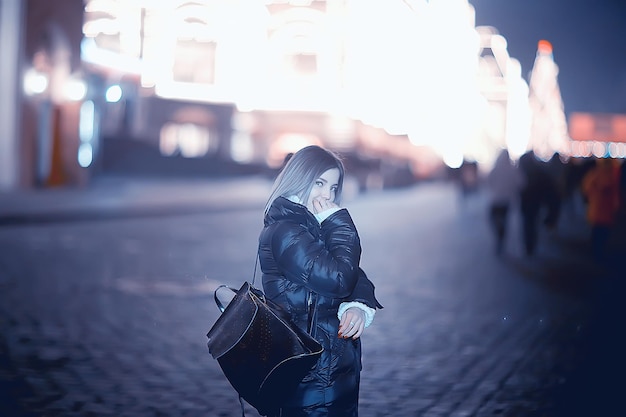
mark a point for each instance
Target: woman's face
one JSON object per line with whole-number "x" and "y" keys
{"x": 324, "y": 190}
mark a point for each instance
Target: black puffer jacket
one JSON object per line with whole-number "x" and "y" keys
{"x": 298, "y": 255}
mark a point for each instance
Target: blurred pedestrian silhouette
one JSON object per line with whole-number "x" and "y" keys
{"x": 469, "y": 177}
{"x": 622, "y": 181}
{"x": 539, "y": 200}
{"x": 466, "y": 178}
{"x": 601, "y": 188}
{"x": 572, "y": 202}
{"x": 503, "y": 184}
{"x": 556, "y": 169}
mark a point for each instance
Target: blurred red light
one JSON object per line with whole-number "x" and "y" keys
{"x": 544, "y": 47}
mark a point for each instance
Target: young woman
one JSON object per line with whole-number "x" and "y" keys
{"x": 309, "y": 249}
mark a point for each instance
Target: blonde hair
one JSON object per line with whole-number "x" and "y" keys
{"x": 301, "y": 171}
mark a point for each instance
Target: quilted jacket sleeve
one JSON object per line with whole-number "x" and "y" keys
{"x": 364, "y": 292}
{"x": 329, "y": 265}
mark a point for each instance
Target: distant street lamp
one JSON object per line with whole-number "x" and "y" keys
{"x": 35, "y": 82}
{"x": 75, "y": 89}
{"x": 113, "y": 94}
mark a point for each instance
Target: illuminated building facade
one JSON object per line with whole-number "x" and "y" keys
{"x": 548, "y": 123}
{"x": 42, "y": 90}
{"x": 408, "y": 84}
{"x": 383, "y": 78}
{"x": 599, "y": 135}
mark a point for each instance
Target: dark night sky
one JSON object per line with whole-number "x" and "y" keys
{"x": 589, "y": 41}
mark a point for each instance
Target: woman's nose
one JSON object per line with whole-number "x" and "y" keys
{"x": 326, "y": 193}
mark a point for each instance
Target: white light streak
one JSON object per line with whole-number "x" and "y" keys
{"x": 85, "y": 155}
{"x": 86, "y": 124}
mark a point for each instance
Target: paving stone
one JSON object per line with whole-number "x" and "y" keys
{"x": 112, "y": 317}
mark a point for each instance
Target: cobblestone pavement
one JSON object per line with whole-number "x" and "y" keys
{"x": 108, "y": 316}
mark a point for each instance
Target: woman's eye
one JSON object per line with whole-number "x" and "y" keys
{"x": 334, "y": 189}
{"x": 319, "y": 183}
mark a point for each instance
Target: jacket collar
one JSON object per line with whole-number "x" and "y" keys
{"x": 285, "y": 209}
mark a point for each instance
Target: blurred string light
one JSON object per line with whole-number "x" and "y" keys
{"x": 617, "y": 150}
{"x": 598, "y": 150}
{"x": 597, "y": 134}
{"x": 35, "y": 83}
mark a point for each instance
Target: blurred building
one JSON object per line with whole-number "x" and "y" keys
{"x": 548, "y": 128}
{"x": 598, "y": 135}
{"x": 250, "y": 82}
{"x": 400, "y": 88}
{"x": 40, "y": 43}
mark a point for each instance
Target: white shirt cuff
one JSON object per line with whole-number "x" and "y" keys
{"x": 369, "y": 312}
{"x": 326, "y": 213}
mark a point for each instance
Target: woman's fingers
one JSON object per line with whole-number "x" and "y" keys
{"x": 321, "y": 204}
{"x": 359, "y": 331}
{"x": 318, "y": 205}
{"x": 353, "y": 330}
{"x": 352, "y": 323}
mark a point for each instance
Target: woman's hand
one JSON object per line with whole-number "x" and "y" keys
{"x": 352, "y": 323}
{"x": 321, "y": 204}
